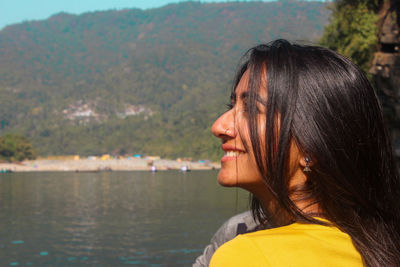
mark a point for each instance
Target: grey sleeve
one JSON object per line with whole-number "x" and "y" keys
{"x": 226, "y": 232}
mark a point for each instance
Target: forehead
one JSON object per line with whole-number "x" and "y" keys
{"x": 243, "y": 85}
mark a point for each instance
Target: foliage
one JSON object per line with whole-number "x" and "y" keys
{"x": 15, "y": 148}
{"x": 353, "y": 30}
{"x": 177, "y": 60}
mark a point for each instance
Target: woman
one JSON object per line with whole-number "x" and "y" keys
{"x": 305, "y": 135}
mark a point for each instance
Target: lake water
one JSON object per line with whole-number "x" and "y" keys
{"x": 111, "y": 218}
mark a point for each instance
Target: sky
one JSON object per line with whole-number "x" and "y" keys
{"x": 16, "y": 11}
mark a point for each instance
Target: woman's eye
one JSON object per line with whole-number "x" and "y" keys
{"x": 246, "y": 108}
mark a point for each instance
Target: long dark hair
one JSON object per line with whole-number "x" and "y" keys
{"x": 326, "y": 105}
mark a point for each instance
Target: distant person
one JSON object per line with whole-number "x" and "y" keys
{"x": 305, "y": 135}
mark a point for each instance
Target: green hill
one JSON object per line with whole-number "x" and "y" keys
{"x": 136, "y": 81}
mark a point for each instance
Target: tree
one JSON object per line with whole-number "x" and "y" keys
{"x": 353, "y": 30}
{"x": 367, "y": 31}
{"x": 16, "y": 148}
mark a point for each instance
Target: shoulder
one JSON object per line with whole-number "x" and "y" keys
{"x": 235, "y": 225}
{"x": 293, "y": 245}
{"x": 240, "y": 251}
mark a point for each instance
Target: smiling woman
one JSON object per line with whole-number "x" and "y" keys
{"x": 232, "y": 128}
{"x": 305, "y": 135}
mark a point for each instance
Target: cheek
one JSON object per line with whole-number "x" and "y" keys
{"x": 244, "y": 131}
{"x": 246, "y": 138}
{"x": 261, "y": 127}
{"x": 249, "y": 177}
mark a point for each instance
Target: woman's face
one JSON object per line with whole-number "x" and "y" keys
{"x": 238, "y": 165}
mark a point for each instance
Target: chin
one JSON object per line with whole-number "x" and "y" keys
{"x": 226, "y": 179}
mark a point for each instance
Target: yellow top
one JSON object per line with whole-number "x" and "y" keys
{"x": 296, "y": 245}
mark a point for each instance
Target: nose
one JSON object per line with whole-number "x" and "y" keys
{"x": 224, "y": 126}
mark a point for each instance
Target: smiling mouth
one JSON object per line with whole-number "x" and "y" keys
{"x": 232, "y": 153}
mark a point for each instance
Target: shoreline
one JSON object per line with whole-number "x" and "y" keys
{"x": 97, "y": 165}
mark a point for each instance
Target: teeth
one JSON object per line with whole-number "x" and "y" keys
{"x": 232, "y": 153}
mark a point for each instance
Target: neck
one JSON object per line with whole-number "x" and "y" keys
{"x": 273, "y": 209}
{"x": 298, "y": 193}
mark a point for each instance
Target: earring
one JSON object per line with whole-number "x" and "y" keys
{"x": 226, "y": 131}
{"x": 307, "y": 167}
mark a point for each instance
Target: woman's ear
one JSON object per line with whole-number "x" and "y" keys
{"x": 306, "y": 163}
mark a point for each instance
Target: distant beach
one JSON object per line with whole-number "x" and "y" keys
{"x": 98, "y": 164}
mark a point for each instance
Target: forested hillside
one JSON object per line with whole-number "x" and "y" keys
{"x": 136, "y": 81}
